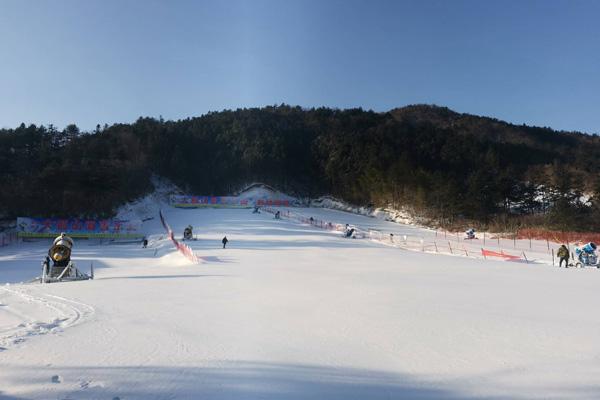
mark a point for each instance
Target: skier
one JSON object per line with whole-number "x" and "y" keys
{"x": 144, "y": 243}
{"x": 391, "y": 238}
{"x": 256, "y": 211}
{"x": 224, "y": 241}
{"x": 563, "y": 255}
{"x": 278, "y": 215}
{"x": 312, "y": 220}
{"x": 470, "y": 233}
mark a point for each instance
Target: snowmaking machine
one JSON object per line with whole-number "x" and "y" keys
{"x": 350, "y": 232}
{"x": 586, "y": 256}
{"x": 58, "y": 266}
{"x": 187, "y": 233}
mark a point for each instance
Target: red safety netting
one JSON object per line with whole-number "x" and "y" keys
{"x": 181, "y": 247}
{"x": 500, "y": 254}
{"x": 559, "y": 237}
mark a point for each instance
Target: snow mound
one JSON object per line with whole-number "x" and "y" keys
{"x": 263, "y": 191}
{"x": 147, "y": 207}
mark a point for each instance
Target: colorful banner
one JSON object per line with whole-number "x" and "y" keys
{"x": 83, "y": 228}
{"x": 185, "y": 201}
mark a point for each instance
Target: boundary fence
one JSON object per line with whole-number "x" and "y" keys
{"x": 181, "y": 247}
{"x": 485, "y": 247}
{"x": 8, "y": 238}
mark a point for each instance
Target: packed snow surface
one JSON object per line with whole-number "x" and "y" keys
{"x": 290, "y": 311}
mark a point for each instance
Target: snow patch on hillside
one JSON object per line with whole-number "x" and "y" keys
{"x": 256, "y": 191}
{"x": 384, "y": 214}
{"x": 147, "y": 207}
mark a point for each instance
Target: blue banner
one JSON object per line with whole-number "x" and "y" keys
{"x": 100, "y": 228}
{"x": 184, "y": 201}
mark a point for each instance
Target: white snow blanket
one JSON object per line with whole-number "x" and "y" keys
{"x": 290, "y": 311}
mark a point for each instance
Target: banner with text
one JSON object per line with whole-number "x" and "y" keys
{"x": 184, "y": 201}
{"x": 83, "y": 228}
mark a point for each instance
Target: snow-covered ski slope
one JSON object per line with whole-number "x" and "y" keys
{"x": 290, "y": 311}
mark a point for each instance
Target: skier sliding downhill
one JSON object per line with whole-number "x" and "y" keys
{"x": 586, "y": 255}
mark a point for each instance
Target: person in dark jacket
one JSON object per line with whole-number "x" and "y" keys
{"x": 224, "y": 241}
{"x": 563, "y": 255}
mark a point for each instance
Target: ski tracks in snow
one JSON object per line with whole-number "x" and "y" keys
{"x": 33, "y": 313}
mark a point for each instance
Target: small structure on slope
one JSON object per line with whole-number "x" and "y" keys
{"x": 58, "y": 265}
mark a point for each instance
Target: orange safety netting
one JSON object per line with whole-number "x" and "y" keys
{"x": 559, "y": 237}
{"x": 501, "y": 254}
{"x": 181, "y": 247}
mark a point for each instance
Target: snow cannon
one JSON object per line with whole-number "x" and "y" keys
{"x": 58, "y": 265}
{"x": 60, "y": 252}
{"x": 187, "y": 233}
{"x": 586, "y": 256}
{"x": 470, "y": 234}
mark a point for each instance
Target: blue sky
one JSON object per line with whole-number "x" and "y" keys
{"x": 89, "y": 62}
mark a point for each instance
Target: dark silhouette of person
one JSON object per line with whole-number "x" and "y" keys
{"x": 563, "y": 255}
{"x": 224, "y": 241}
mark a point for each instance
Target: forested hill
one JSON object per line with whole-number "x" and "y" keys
{"x": 429, "y": 159}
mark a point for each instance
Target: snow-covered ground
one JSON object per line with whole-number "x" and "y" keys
{"x": 290, "y": 311}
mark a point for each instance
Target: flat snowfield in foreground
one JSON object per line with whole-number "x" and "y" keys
{"x": 293, "y": 312}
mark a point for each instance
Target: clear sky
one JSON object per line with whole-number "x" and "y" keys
{"x": 89, "y": 62}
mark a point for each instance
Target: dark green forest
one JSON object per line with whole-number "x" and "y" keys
{"x": 442, "y": 165}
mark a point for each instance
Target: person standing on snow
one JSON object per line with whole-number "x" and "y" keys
{"x": 224, "y": 241}
{"x": 563, "y": 255}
